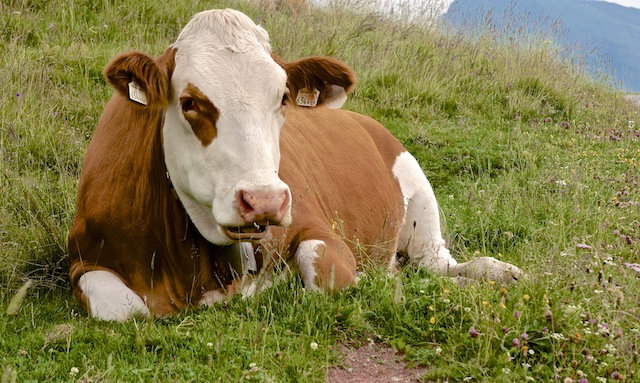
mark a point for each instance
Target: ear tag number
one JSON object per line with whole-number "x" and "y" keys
{"x": 307, "y": 98}
{"x": 136, "y": 93}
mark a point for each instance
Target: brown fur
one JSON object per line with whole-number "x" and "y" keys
{"x": 338, "y": 166}
{"x": 203, "y": 120}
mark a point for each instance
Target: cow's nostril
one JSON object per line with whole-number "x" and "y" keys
{"x": 285, "y": 204}
{"x": 244, "y": 203}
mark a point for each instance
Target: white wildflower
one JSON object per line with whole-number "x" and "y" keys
{"x": 313, "y": 345}
{"x": 74, "y": 371}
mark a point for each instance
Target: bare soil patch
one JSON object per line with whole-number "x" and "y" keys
{"x": 374, "y": 363}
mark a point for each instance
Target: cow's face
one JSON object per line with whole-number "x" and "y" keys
{"x": 222, "y": 128}
{"x": 224, "y": 97}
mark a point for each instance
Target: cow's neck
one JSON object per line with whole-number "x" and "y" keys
{"x": 131, "y": 143}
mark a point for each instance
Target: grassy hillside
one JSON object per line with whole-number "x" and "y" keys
{"x": 532, "y": 163}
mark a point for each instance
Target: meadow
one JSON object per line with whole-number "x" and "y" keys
{"x": 532, "y": 161}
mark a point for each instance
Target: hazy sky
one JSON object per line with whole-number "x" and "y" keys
{"x": 626, "y": 3}
{"x": 438, "y": 7}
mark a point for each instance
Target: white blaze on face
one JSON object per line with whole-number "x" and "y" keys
{"x": 222, "y": 127}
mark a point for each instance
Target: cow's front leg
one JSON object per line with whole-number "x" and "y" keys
{"x": 108, "y": 298}
{"x": 327, "y": 264}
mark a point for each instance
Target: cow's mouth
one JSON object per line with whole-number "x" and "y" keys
{"x": 246, "y": 233}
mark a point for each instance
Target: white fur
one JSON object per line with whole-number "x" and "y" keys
{"x": 305, "y": 256}
{"x": 223, "y": 24}
{"x": 212, "y": 297}
{"x": 420, "y": 237}
{"x": 109, "y": 298}
{"x": 225, "y": 55}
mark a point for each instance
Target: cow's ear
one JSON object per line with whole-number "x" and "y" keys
{"x": 140, "y": 78}
{"x": 319, "y": 80}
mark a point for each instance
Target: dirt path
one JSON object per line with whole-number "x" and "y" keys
{"x": 373, "y": 363}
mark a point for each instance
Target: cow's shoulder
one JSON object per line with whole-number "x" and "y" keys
{"x": 387, "y": 144}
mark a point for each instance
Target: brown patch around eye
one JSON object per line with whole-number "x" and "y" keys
{"x": 200, "y": 112}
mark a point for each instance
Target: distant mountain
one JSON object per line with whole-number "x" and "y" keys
{"x": 602, "y": 31}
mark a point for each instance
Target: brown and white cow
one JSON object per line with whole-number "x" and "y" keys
{"x": 193, "y": 164}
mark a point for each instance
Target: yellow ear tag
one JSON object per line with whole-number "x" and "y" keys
{"x": 307, "y": 98}
{"x": 136, "y": 93}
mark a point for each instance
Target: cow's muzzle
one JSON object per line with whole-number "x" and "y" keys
{"x": 258, "y": 208}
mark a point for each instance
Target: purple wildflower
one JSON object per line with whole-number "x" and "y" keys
{"x": 473, "y": 332}
{"x": 517, "y": 314}
{"x": 516, "y": 342}
{"x": 616, "y": 375}
{"x": 583, "y": 380}
{"x": 524, "y": 336}
{"x": 604, "y": 329}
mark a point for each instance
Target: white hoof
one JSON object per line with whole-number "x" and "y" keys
{"x": 488, "y": 268}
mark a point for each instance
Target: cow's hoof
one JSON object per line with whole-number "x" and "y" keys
{"x": 490, "y": 269}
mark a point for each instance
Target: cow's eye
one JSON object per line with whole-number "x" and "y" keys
{"x": 188, "y": 104}
{"x": 285, "y": 97}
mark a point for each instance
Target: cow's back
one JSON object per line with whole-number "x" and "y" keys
{"x": 338, "y": 165}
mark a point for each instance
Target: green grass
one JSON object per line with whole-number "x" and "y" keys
{"x": 531, "y": 161}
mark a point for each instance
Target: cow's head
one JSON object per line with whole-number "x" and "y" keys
{"x": 224, "y": 96}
